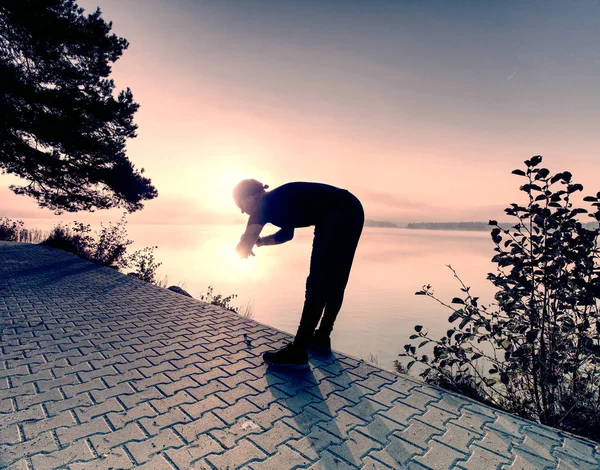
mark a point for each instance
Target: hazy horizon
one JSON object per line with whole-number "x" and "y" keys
{"x": 421, "y": 109}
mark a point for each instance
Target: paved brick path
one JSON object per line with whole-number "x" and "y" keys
{"x": 101, "y": 371}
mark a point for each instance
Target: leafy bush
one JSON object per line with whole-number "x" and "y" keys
{"x": 145, "y": 265}
{"x": 218, "y": 299}
{"x": 15, "y": 231}
{"x": 75, "y": 239}
{"x": 31, "y": 235}
{"x": 540, "y": 343}
{"x": 10, "y": 229}
{"x": 109, "y": 248}
{"x": 226, "y": 302}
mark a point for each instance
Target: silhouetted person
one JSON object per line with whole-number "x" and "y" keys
{"x": 338, "y": 218}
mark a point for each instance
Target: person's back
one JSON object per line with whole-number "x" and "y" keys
{"x": 295, "y": 205}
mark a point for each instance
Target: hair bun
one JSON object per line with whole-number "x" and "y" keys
{"x": 266, "y": 186}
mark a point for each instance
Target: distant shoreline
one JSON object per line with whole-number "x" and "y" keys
{"x": 469, "y": 226}
{"x": 465, "y": 226}
{"x": 457, "y": 226}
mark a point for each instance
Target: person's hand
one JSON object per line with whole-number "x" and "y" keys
{"x": 259, "y": 242}
{"x": 243, "y": 251}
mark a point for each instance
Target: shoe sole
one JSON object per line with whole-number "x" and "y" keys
{"x": 287, "y": 366}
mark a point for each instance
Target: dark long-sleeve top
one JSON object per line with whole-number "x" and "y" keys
{"x": 295, "y": 205}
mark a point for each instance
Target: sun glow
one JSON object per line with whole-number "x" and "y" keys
{"x": 220, "y": 188}
{"x": 225, "y": 263}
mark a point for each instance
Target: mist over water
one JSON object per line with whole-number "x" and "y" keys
{"x": 380, "y": 308}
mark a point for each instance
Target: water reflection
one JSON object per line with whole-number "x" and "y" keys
{"x": 380, "y": 308}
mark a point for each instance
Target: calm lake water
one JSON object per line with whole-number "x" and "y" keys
{"x": 380, "y": 308}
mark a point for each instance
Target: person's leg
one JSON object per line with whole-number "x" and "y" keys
{"x": 340, "y": 272}
{"x": 316, "y": 284}
{"x": 295, "y": 354}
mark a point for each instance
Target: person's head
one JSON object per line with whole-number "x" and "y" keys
{"x": 247, "y": 193}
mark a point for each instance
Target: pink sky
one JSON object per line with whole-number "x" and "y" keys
{"x": 422, "y": 110}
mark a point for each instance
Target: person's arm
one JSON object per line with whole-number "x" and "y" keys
{"x": 244, "y": 247}
{"x": 277, "y": 238}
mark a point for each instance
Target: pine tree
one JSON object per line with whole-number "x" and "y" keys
{"x": 63, "y": 128}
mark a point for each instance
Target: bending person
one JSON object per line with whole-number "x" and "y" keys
{"x": 338, "y": 218}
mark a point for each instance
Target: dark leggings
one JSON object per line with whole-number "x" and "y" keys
{"x": 333, "y": 251}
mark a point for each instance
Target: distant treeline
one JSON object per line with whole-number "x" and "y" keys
{"x": 381, "y": 224}
{"x": 473, "y": 226}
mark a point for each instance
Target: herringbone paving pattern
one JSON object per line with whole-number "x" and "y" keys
{"x": 101, "y": 371}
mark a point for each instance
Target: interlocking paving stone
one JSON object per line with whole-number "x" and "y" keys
{"x": 342, "y": 424}
{"x": 186, "y": 456}
{"x": 70, "y": 379}
{"x": 88, "y": 413}
{"x": 397, "y": 452}
{"x": 45, "y": 443}
{"x": 207, "y": 390}
{"x": 482, "y": 458}
{"x": 379, "y": 428}
{"x": 116, "y": 459}
{"x": 244, "y": 453}
{"x": 19, "y": 465}
{"x": 102, "y": 371}
{"x": 419, "y": 433}
{"x": 130, "y": 376}
{"x": 79, "y": 451}
{"x": 457, "y": 436}
{"x": 6, "y": 406}
{"x": 142, "y": 450}
{"x": 267, "y": 417}
{"x": 103, "y": 443}
{"x": 156, "y": 462}
{"x": 329, "y": 461}
{"x": 306, "y": 419}
{"x": 231, "y": 396}
{"x": 87, "y": 386}
{"x": 71, "y": 434}
{"x": 10, "y": 434}
{"x": 370, "y": 463}
{"x": 120, "y": 419}
{"x": 574, "y": 464}
{"x": 355, "y": 447}
{"x": 190, "y": 431}
{"x": 155, "y": 424}
{"x": 232, "y": 413}
{"x": 439, "y": 456}
{"x": 580, "y": 449}
{"x": 164, "y": 404}
{"x": 30, "y": 415}
{"x": 527, "y": 461}
{"x": 270, "y": 440}
{"x": 498, "y": 442}
{"x": 386, "y": 396}
{"x": 140, "y": 397}
{"x": 284, "y": 458}
{"x": 401, "y": 413}
{"x": 332, "y": 405}
{"x": 229, "y": 436}
{"x": 538, "y": 445}
{"x": 474, "y": 422}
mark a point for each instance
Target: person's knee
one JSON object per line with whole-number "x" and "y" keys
{"x": 313, "y": 283}
{"x": 333, "y": 304}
